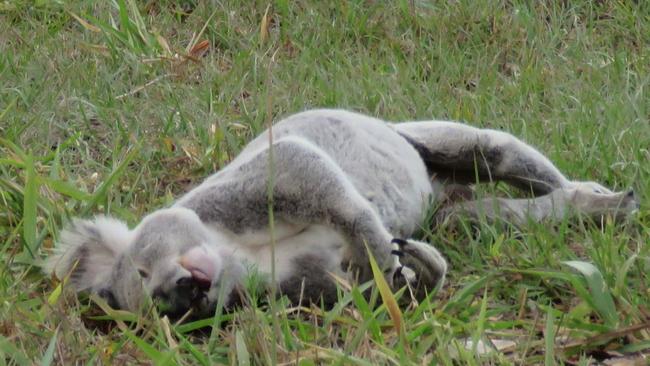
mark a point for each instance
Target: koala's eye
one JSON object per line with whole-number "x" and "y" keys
{"x": 143, "y": 273}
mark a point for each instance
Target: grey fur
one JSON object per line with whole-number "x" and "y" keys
{"x": 341, "y": 181}
{"x": 311, "y": 280}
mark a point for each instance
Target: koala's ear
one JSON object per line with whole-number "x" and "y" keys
{"x": 87, "y": 251}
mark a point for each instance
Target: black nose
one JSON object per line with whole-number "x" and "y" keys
{"x": 185, "y": 282}
{"x": 176, "y": 300}
{"x": 193, "y": 282}
{"x": 630, "y": 193}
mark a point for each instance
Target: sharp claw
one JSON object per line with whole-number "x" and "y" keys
{"x": 398, "y": 271}
{"x": 396, "y": 252}
{"x": 400, "y": 242}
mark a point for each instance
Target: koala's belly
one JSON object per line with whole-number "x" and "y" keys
{"x": 317, "y": 245}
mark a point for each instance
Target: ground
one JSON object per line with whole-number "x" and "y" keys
{"x": 119, "y": 106}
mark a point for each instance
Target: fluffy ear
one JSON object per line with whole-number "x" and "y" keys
{"x": 87, "y": 251}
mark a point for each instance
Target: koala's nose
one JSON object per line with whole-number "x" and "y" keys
{"x": 194, "y": 281}
{"x": 200, "y": 265}
{"x": 176, "y": 300}
{"x": 185, "y": 282}
{"x": 630, "y": 193}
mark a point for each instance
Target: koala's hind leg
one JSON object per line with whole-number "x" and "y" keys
{"x": 308, "y": 188}
{"x": 459, "y": 153}
{"x": 463, "y": 154}
{"x": 579, "y": 200}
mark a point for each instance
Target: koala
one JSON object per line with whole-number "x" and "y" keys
{"x": 340, "y": 185}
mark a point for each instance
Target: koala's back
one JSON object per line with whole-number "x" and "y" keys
{"x": 379, "y": 162}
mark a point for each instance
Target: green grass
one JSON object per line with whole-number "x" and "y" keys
{"x": 111, "y": 107}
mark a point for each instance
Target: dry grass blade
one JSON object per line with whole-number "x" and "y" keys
{"x": 96, "y": 48}
{"x": 199, "y": 49}
{"x": 84, "y": 23}
{"x": 166, "y": 326}
{"x": 142, "y": 87}
{"x": 196, "y": 37}
{"x": 341, "y": 281}
{"x": 264, "y": 26}
{"x": 164, "y": 45}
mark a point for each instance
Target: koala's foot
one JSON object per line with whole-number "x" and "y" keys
{"x": 422, "y": 267}
{"x": 596, "y": 201}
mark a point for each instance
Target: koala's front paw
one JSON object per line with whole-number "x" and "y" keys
{"x": 399, "y": 275}
{"x": 422, "y": 267}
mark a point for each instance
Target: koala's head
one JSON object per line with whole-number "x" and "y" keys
{"x": 170, "y": 257}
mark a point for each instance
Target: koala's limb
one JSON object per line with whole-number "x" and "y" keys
{"x": 426, "y": 263}
{"x": 463, "y": 154}
{"x": 308, "y": 188}
{"x": 581, "y": 200}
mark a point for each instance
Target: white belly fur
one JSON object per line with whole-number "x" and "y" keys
{"x": 316, "y": 240}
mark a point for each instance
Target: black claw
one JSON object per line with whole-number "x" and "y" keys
{"x": 396, "y": 252}
{"x": 398, "y": 271}
{"x": 400, "y": 242}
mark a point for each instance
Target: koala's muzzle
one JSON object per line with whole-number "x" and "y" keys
{"x": 200, "y": 265}
{"x": 189, "y": 290}
{"x": 188, "y": 293}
